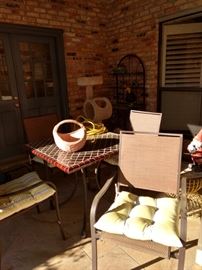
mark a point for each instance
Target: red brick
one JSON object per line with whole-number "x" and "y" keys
{"x": 89, "y": 28}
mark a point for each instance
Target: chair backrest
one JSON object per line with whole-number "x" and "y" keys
{"x": 152, "y": 162}
{"x": 39, "y": 127}
{"x": 145, "y": 121}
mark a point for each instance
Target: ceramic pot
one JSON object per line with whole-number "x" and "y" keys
{"x": 69, "y": 141}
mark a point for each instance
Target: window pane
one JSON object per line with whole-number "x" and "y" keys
{"x": 40, "y": 88}
{"x": 37, "y": 69}
{"x": 40, "y": 51}
{"x": 49, "y": 89}
{"x": 179, "y": 109}
{"x": 25, "y": 51}
{"x": 27, "y": 70}
{"x": 5, "y": 90}
{"x": 29, "y": 90}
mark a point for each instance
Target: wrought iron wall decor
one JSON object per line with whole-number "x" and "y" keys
{"x": 130, "y": 82}
{"x": 129, "y": 90}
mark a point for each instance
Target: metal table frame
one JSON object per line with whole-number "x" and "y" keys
{"x": 97, "y": 148}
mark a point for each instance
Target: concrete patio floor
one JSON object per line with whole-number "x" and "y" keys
{"x": 32, "y": 241}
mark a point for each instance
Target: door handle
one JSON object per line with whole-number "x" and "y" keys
{"x": 17, "y": 105}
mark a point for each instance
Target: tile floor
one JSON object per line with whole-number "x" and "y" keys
{"x": 32, "y": 241}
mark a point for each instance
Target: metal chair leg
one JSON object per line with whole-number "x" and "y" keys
{"x": 0, "y": 257}
{"x": 94, "y": 250}
{"x": 59, "y": 221}
{"x": 181, "y": 258}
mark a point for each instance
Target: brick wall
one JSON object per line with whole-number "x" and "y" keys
{"x": 133, "y": 28}
{"x": 97, "y": 33}
{"x": 84, "y": 28}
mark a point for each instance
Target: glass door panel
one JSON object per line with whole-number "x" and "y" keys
{"x": 11, "y": 130}
{"x": 5, "y": 90}
{"x": 39, "y": 87}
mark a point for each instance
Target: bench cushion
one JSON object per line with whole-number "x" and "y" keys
{"x": 12, "y": 204}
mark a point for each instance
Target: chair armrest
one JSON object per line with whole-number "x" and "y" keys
{"x": 98, "y": 197}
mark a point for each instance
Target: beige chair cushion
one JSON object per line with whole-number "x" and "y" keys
{"x": 13, "y": 204}
{"x": 143, "y": 218}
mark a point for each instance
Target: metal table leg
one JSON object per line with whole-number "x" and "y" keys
{"x": 85, "y": 203}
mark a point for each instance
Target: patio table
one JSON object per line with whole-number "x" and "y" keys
{"x": 97, "y": 148}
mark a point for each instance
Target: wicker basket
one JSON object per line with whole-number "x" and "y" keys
{"x": 194, "y": 185}
{"x": 69, "y": 141}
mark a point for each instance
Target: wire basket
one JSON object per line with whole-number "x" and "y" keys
{"x": 194, "y": 185}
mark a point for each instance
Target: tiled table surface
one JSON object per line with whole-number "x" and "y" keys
{"x": 97, "y": 148}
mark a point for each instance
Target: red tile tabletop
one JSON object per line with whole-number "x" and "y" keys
{"x": 97, "y": 148}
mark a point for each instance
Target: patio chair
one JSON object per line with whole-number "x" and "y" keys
{"x": 143, "y": 121}
{"x": 25, "y": 192}
{"x": 37, "y": 129}
{"x": 142, "y": 216}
